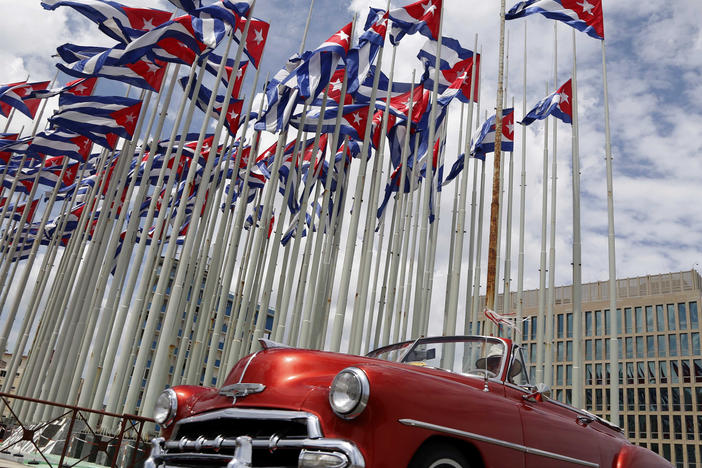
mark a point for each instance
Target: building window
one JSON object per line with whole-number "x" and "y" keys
{"x": 684, "y": 348}
{"x": 639, "y": 347}
{"x": 675, "y": 398}
{"x": 588, "y": 323}
{"x": 598, "y": 322}
{"x": 671, "y": 316}
{"x": 665, "y": 427}
{"x": 569, "y": 325}
{"x": 677, "y": 428}
{"x": 682, "y": 316}
{"x": 661, "y": 346}
{"x": 651, "y": 372}
{"x": 650, "y": 347}
{"x": 652, "y": 400}
{"x": 631, "y": 425}
{"x": 639, "y": 320}
{"x": 606, "y": 321}
{"x": 691, "y": 458}
{"x": 569, "y": 378}
{"x": 687, "y": 398}
{"x": 693, "y": 315}
{"x": 630, "y": 372}
{"x": 629, "y": 347}
{"x": 630, "y": 399}
{"x": 664, "y": 400}
{"x": 673, "y": 345}
{"x": 533, "y": 328}
{"x": 654, "y": 426}
{"x": 663, "y": 367}
{"x": 640, "y": 372}
{"x": 674, "y": 371}
{"x": 660, "y": 317}
{"x": 588, "y": 374}
{"x": 649, "y": 319}
{"x": 628, "y": 324}
{"x": 695, "y": 339}
{"x": 569, "y": 350}
{"x": 588, "y": 350}
{"x": 598, "y": 350}
{"x": 559, "y": 325}
{"x": 525, "y": 328}
{"x": 559, "y": 351}
{"x": 685, "y": 366}
{"x": 698, "y": 370}
{"x": 642, "y": 426}
{"x": 598, "y": 374}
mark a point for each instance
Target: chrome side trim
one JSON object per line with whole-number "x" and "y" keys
{"x": 501, "y": 443}
{"x": 246, "y": 367}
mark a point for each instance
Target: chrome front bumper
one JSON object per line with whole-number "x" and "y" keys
{"x": 239, "y": 451}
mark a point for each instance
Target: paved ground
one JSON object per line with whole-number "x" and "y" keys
{"x": 8, "y": 461}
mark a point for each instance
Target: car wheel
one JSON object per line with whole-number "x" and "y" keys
{"x": 439, "y": 456}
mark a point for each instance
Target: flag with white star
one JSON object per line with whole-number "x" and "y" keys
{"x": 422, "y": 16}
{"x": 583, "y": 15}
{"x": 485, "y": 140}
{"x": 100, "y": 118}
{"x": 557, "y": 104}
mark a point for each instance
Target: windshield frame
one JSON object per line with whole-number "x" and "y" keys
{"x": 412, "y": 345}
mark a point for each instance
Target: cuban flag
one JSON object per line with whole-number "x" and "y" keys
{"x": 361, "y": 58}
{"x": 79, "y": 87}
{"x": 50, "y": 173}
{"x": 19, "y": 96}
{"x": 455, "y": 69}
{"x": 280, "y": 100}
{"x": 118, "y": 21}
{"x": 143, "y": 73}
{"x": 100, "y": 118}
{"x": 485, "y": 140}
{"x": 7, "y": 139}
{"x": 62, "y": 143}
{"x": 422, "y": 16}
{"x": 559, "y": 104}
{"x": 353, "y": 120}
{"x": 211, "y": 63}
{"x": 455, "y": 169}
{"x": 585, "y": 16}
{"x": 316, "y": 67}
{"x": 180, "y": 40}
{"x": 255, "y": 40}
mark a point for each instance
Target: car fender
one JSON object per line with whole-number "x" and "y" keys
{"x": 633, "y": 456}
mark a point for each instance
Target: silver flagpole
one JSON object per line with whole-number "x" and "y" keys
{"x": 421, "y": 278}
{"x": 340, "y": 313}
{"x": 132, "y": 302}
{"x": 159, "y": 367}
{"x": 550, "y": 299}
{"x": 613, "y": 348}
{"x": 541, "y": 317}
{"x": 507, "y": 294}
{"x": 577, "y": 274}
{"x": 522, "y": 199}
{"x": 450, "y": 271}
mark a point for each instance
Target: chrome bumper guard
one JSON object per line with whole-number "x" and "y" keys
{"x": 314, "y": 449}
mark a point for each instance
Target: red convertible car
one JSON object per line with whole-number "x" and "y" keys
{"x": 447, "y": 402}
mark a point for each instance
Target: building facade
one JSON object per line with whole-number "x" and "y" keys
{"x": 660, "y": 361}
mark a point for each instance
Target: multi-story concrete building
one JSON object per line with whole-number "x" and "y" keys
{"x": 6, "y": 358}
{"x": 660, "y": 360}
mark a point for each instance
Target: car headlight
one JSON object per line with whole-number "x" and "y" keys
{"x": 349, "y": 392}
{"x": 166, "y": 407}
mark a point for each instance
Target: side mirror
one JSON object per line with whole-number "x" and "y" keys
{"x": 538, "y": 391}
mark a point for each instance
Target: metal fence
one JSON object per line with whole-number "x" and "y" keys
{"x": 70, "y": 434}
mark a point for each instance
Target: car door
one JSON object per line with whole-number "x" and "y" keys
{"x": 555, "y": 435}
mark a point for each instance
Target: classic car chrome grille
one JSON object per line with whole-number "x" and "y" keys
{"x": 271, "y": 438}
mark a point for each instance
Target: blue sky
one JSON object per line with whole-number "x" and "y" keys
{"x": 654, "y": 59}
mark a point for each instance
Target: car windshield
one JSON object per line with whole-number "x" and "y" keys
{"x": 463, "y": 355}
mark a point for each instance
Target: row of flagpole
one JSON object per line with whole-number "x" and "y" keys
{"x": 86, "y": 305}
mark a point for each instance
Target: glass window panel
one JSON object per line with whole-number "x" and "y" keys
{"x": 588, "y": 350}
{"x": 598, "y": 322}
{"x": 675, "y": 398}
{"x": 663, "y": 371}
{"x": 533, "y": 328}
{"x": 698, "y": 370}
{"x": 598, "y": 399}
{"x": 685, "y": 367}
{"x": 559, "y": 375}
{"x": 674, "y": 371}
{"x": 598, "y": 374}
{"x": 559, "y": 351}
{"x": 693, "y": 315}
{"x": 588, "y": 323}
{"x": 569, "y": 350}
{"x": 630, "y": 399}
{"x": 525, "y": 329}
{"x": 606, "y": 321}
{"x": 598, "y": 349}
{"x": 650, "y": 319}
{"x": 651, "y": 372}
{"x": 673, "y": 345}
{"x": 588, "y": 399}
{"x": 652, "y": 400}
{"x": 687, "y": 398}
{"x": 695, "y": 340}
{"x": 640, "y": 372}
{"x": 677, "y": 427}
{"x": 666, "y": 451}
{"x": 691, "y": 457}
{"x": 662, "y": 351}
{"x": 629, "y": 347}
{"x": 698, "y": 397}
{"x": 639, "y": 347}
{"x": 699, "y": 425}
{"x": 671, "y": 316}
{"x": 665, "y": 426}
{"x": 569, "y": 325}
{"x": 654, "y": 426}
{"x": 607, "y": 376}
{"x": 642, "y": 425}
{"x": 621, "y": 401}
{"x": 619, "y": 321}
{"x": 660, "y": 317}
{"x": 650, "y": 346}
{"x": 642, "y": 399}
{"x": 664, "y": 399}
{"x": 628, "y": 324}
{"x": 621, "y": 373}
{"x": 569, "y": 375}
{"x": 588, "y": 374}
{"x": 684, "y": 348}
{"x": 679, "y": 456}
{"x": 631, "y": 425}
{"x": 682, "y": 316}
{"x": 630, "y": 372}
{"x": 639, "y": 320}
{"x": 559, "y": 325}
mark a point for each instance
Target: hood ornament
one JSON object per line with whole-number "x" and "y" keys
{"x": 240, "y": 390}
